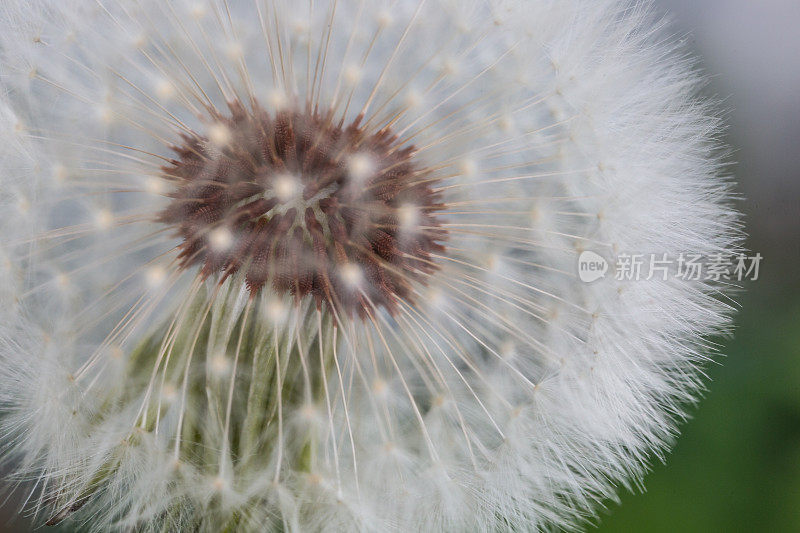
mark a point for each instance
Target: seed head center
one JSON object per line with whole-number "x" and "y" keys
{"x": 305, "y": 206}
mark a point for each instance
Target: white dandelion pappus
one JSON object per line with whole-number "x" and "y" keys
{"x": 311, "y": 266}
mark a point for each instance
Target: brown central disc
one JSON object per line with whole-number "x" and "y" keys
{"x": 306, "y": 207}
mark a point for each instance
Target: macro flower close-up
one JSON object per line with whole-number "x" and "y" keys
{"x": 349, "y": 265}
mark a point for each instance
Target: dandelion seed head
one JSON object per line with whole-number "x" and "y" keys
{"x": 468, "y": 167}
{"x": 198, "y": 11}
{"x": 155, "y": 276}
{"x": 219, "y": 135}
{"x": 220, "y": 365}
{"x": 62, "y": 280}
{"x": 450, "y": 66}
{"x": 276, "y": 310}
{"x": 286, "y": 188}
{"x": 409, "y": 216}
{"x": 165, "y": 90}
{"x": 353, "y": 74}
{"x": 304, "y": 200}
{"x": 60, "y": 173}
{"x": 155, "y": 185}
{"x": 360, "y": 168}
{"x": 352, "y": 275}
{"x": 384, "y": 18}
{"x": 269, "y": 267}
{"x": 414, "y": 99}
{"x": 278, "y": 100}
{"x": 104, "y": 219}
{"x": 219, "y": 484}
{"x": 169, "y": 393}
{"x": 220, "y": 240}
{"x": 23, "y": 205}
{"x": 234, "y": 51}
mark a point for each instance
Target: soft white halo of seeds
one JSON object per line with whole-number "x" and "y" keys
{"x": 508, "y": 395}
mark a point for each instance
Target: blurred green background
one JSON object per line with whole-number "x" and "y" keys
{"x": 736, "y": 465}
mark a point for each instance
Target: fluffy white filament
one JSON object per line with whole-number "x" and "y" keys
{"x": 507, "y": 396}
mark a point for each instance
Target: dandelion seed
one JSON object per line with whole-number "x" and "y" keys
{"x": 290, "y": 266}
